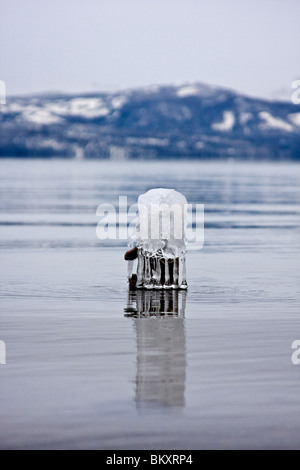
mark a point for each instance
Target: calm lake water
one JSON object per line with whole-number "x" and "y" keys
{"x": 84, "y": 371}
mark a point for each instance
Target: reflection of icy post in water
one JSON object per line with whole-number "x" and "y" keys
{"x": 161, "y": 362}
{"x": 159, "y": 242}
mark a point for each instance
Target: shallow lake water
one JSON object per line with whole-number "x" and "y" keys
{"x": 88, "y": 368}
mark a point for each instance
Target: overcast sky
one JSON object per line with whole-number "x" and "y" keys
{"x": 94, "y": 45}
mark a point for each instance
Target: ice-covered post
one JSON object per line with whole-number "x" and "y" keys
{"x": 159, "y": 241}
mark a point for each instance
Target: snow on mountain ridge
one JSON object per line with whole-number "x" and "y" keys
{"x": 295, "y": 119}
{"x": 227, "y": 123}
{"x": 184, "y": 119}
{"x": 196, "y": 89}
{"x": 272, "y": 122}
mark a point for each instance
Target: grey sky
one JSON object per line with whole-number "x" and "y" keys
{"x": 91, "y": 45}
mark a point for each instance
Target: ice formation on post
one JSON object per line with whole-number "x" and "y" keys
{"x": 159, "y": 242}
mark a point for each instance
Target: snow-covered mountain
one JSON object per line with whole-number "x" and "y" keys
{"x": 186, "y": 120}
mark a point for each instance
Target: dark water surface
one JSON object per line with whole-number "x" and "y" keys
{"x": 86, "y": 367}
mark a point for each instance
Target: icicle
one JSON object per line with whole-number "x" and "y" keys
{"x": 183, "y": 282}
{"x": 147, "y": 271}
{"x": 158, "y": 273}
{"x": 130, "y": 269}
{"x": 153, "y": 262}
{"x": 167, "y": 275}
{"x": 140, "y": 270}
{"x": 176, "y": 272}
